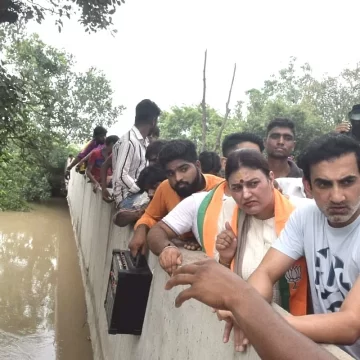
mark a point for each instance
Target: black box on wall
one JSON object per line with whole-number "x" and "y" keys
{"x": 127, "y": 293}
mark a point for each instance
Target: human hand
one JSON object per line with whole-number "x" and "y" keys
{"x": 344, "y": 127}
{"x": 226, "y": 243}
{"x": 137, "y": 244}
{"x": 240, "y": 341}
{"x": 106, "y": 195}
{"x": 96, "y": 186}
{"x": 170, "y": 258}
{"x": 210, "y": 283}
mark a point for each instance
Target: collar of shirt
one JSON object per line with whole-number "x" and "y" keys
{"x": 139, "y": 136}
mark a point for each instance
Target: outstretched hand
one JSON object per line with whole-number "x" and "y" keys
{"x": 210, "y": 283}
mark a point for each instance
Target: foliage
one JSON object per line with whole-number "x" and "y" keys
{"x": 44, "y": 106}
{"x": 21, "y": 182}
{"x": 185, "y": 122}
{"x": 315, "y": 105}
{"x": 94, "y": 14}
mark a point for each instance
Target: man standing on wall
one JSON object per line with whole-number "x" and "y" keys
{"x": 279, "y": 144}
{"x": 128, "y": 160}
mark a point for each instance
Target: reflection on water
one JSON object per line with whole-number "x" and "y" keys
{"x": 33, "y": 286}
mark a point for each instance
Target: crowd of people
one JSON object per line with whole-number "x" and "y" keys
{"x": 277, "y": 230}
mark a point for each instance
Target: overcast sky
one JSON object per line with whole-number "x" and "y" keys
{"x": 159, "y": 48}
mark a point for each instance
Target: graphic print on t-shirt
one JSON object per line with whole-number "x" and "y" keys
{"x": 329, "y": 280}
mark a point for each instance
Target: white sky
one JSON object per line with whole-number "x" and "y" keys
{"x": 159, "y": 48}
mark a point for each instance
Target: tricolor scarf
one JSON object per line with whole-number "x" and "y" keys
{"x": 294, "y": 285}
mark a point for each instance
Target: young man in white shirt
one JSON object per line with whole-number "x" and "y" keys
{"x": 128, "y": 160}
{"x": 327, "y": 233}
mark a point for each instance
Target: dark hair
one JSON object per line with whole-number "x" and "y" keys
{"x": 249, "y": 158}
{"x": 178, "y": 149}
{"x": 99, "y": 130}
{"x": 281, "y": 122}
{"x": 325, "y": 148}
{"x": 146, "y": 112}
{"x": 210, "y": 162}
{"x": 153, "y": 150}
{"x": 112, "y": 139}
{"x": 231, "y": 141}
{"x": 150, "y": 176}
{"x": 71, "y": 155}
{"x": 156, "y": 132}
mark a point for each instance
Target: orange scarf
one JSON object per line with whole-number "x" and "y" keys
{"x": 294, "y": 286}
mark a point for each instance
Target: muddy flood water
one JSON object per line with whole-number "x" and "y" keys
{"x": 42, "y": 301}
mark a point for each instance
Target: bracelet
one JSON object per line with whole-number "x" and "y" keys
{"x": 222, "y": 263}
{"x": 167, "y": 247}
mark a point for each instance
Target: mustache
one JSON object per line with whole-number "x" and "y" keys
{"x": 185, "y": 183}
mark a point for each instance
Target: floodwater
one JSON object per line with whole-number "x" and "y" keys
{"x": 42, "y": 301}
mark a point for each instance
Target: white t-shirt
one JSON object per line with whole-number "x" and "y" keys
{"x": 183, "y": 218}
{"x": 332, "y": 254}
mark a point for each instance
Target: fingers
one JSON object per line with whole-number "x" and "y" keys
{"x": 185, "y": 295}
{"x": 144, "y": 249}
{"x": 227, "y": 331}
{"x": 170, "y": 259}
{"x": 182, "y": 279}
{"x": 240, "y": 340}
{"x": 229, "y": 228}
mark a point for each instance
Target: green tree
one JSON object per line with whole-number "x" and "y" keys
{"x": 45, "y": 106}
{"x": 315, "y": 105}
{"x": 94, "y": 14}
{"x": 185, "y": 123}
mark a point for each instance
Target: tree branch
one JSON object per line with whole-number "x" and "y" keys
{"x": 203, "y": 106}
{"x": 227, "y": 113}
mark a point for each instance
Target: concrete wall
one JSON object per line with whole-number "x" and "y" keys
{"x": 191, "y": 332}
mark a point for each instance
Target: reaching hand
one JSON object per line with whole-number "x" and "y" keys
{"x": 211, "y": 283}
{"x": 106, "y": 195}
{"x": 170, "y": 258}
{"x": 226, "y": 243}
{"x": 240, "y": 341}
{"x": 137, "y": 244}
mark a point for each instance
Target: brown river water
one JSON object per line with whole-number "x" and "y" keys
{"x": 42, "y": 301}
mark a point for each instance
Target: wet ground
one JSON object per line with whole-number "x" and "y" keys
{"x": 42, "y": 301}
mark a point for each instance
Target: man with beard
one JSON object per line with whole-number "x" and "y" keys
{"x": 279, "y": 144}
{"x": 327, "y": 233}
{"x": 183, "y": 171}
{"x": 128, "y": 160}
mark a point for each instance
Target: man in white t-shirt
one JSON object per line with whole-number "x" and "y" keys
{"x": 327, "y": 232}
{"x": 183, "y": 218}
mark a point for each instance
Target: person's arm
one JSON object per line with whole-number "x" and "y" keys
{"x": 177, "y": 222}
{"x": 213, "y": 285}
{"x": 342, "y": 327}
{"x": 126, "y": 153}
{"x": 103, "y": 178}
{"x": 91, "y": 163}
{"x": 285, "y": 251}
{"x": 84, "y": 152}
{"x": 257, "y": 317}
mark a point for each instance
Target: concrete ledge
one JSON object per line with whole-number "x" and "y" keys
{"x": 191, "y": 332}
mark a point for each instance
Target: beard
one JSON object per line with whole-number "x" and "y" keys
{"x": 185, "y": 189}
{"x": 341, "y": 218}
